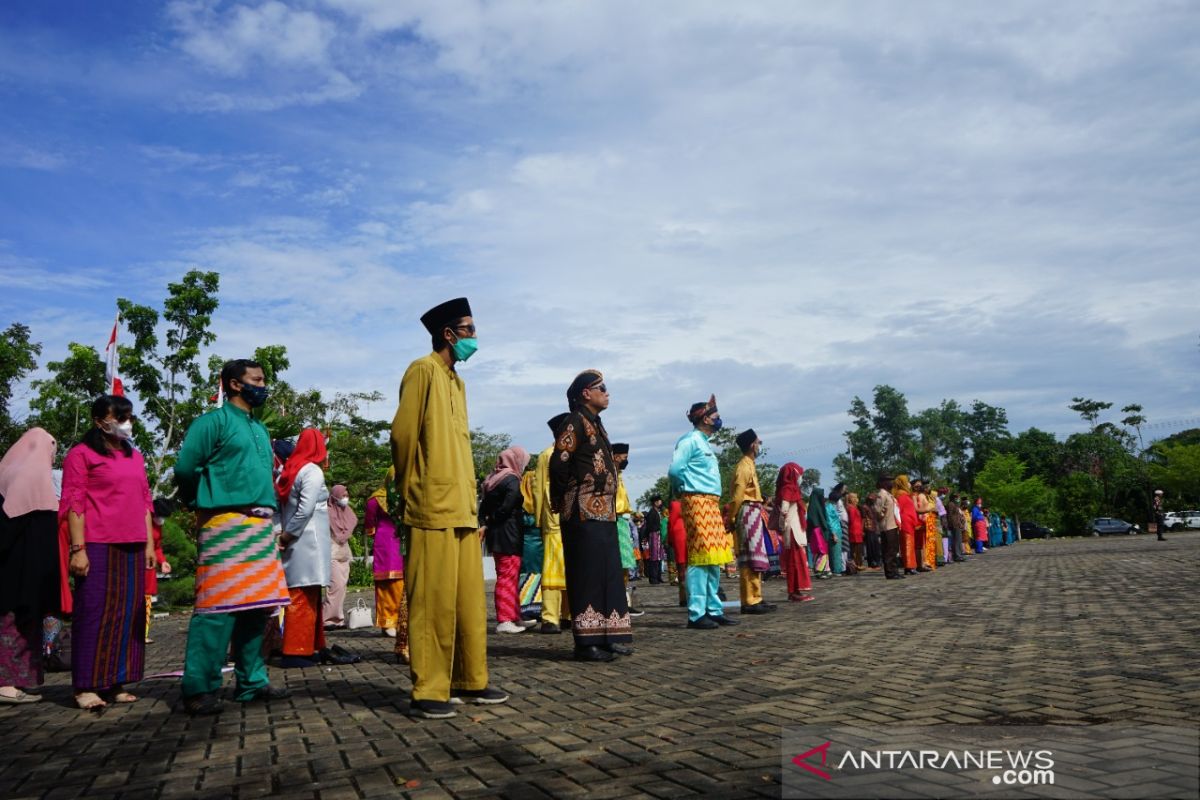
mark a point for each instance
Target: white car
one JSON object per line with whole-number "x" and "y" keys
{"x": 1178, "y": 520}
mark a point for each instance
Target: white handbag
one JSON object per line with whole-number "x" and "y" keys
{"x": 359, "y": 616}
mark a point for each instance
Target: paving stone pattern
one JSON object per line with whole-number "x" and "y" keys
{"x": 1083, "y": 631}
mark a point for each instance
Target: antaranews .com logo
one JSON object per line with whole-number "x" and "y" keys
{"x": 1009, "y": 767}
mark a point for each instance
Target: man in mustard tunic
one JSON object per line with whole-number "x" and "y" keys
{"x": 750, "y": 521}
{"x": 435, "y": 505}
{"x": 555, "y": 609}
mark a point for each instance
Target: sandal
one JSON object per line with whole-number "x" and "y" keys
{"x": 21, "y": 697}
{"x": 90, "y": 701}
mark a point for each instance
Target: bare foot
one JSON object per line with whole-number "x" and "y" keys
{"x": 124, "y": 697}
{"x": 89, "y": 701}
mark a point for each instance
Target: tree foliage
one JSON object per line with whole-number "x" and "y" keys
{"x": 63, "y": 401}
{"x": 18, "y": 357}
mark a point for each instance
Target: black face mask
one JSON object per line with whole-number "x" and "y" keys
{"x": 254, "y": 396}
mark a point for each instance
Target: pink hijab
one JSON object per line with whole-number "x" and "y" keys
{"x": 25, "y": 481}
{"x": 341, "y": 520}
{"x": 510, "y": 462}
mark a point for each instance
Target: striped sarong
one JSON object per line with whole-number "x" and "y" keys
{"x": 707, "y": 541}
{"x": 238, "y": 565}
{"x": 751, "y": 536}
{"x": 108, "y": 629}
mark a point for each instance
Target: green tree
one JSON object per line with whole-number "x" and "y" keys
{"x": 661, "y": 487}
{"x": 1088, "y": 409}
{"x": 1041, "y": 453}
{"x": 63, "y": 401}
{"x": 1080, "y": 496}
{"x": 18, "y": 357}
{"x": 1134, "y": 419}
{"x": 1177, "y": 472}
{"x": 485, "y": 449}
{"x": 810, "y": 478}
{"x": 1005, "y": 488}
{"x": 985, "y": 428}
{"x": 168, "y": 379}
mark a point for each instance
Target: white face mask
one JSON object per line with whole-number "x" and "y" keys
{"x": 343, "y": 501}
{"x": 120, "y": 430}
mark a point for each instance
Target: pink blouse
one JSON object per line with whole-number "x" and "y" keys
{"x": 111, "y": 492}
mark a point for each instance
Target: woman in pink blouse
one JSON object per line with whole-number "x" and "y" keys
{"x": 107, "y": 506}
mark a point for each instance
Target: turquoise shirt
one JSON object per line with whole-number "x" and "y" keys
{"x": 226, "y": 461}
{"x": 694, "y": 467}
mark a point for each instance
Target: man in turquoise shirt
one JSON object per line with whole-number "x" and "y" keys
{"x": 224, "y": 473}
{"x": 696, "y": 478}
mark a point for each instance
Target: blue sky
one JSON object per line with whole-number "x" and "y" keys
{"x": 782, "y": 203}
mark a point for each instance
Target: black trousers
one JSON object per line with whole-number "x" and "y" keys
{"x": 595, "y": 584}
{"x": 653, "y": 570}
{"x": 874, "y": 551}
{"x": 891, "y": 552}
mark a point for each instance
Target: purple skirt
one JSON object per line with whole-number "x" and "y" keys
{"x": 108, "y": 628}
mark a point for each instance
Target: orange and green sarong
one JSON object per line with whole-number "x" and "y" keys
{"x": 238, "y": 565}
{"x": 708, "y": 542}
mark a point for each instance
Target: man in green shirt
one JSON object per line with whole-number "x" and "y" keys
{"x": 224, "y": 473}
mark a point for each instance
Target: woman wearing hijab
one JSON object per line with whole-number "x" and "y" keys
{"x": 790, "y": 513}
{"x": 928, "y": 538}
{"x": 342, "y": 521}
{"x": 501, "y": 513}
{"x": 835, "y": 533}
{"x": 30, "y": 577}
{"x": 306, "y": 547}
{"x": 391, "y": 607}
{"x": 979, "y": 525}
{"x": 818, "y": 524}
{"x": 107, "y": 505}
{"x": 902, "y": 491}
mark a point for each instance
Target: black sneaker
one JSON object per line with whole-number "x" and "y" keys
{"x": 549, "y": 627}
{"x": 592, "y": 653}
{"x": 724, "y": 620}
{"x": 619, "y": 649}
{"x": 757, "y": 608}
{"x": 485, "y": 697}
{"x": 202, "y": 705}
{"x": 267, "y": 693}
{"x": 431, "y": 709}
{"x": 636, "y": 612}
{"x": 705, "y": 623}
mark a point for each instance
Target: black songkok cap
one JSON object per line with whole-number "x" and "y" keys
{"x": 620, "y": 449}
{"x": 746, "y": 438}
{"x": 556, "y": 422}
{"x": 440, "y": 317}
{"x": 283, "y": 448}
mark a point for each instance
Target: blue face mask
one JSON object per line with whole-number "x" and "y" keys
{"x": 465, "y": 348}
{"x": 254, "y": 396}
{"x": 717, "y": 424}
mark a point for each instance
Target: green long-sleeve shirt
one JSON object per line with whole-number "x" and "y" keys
{"x": 225, "y": 461}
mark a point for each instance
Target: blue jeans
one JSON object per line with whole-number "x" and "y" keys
{"x": 702, "y": 586}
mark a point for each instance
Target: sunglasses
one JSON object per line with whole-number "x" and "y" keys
{"x": 600, "y": 388}
{"x": 467, "y": 329}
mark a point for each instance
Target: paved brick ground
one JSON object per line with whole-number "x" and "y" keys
{"x": 1084, "y": 632}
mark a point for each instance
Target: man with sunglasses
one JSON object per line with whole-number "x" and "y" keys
{"x": 696, "y": 477}
{"x": 583, "y": 490}
{"x": 435, "y": 506}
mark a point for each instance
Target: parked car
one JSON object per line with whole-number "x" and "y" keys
{"x": 1178, "y": 520}
{"x": 1032, "y": 530}
{"x": 1105, "y": 525}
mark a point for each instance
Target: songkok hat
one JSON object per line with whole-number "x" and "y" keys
{"x": 620, "y": 449}
{"x": 440, "y": 317}
{"x": 746, "y": 438}
{"x": 701, "y": 410}
{"x": 556, "y": 422}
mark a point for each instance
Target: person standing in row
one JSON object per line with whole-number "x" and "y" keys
{"x": 435, "y": 493}
{"x": 342, "y": 521}
{"x": 106, "y": 502}
{"x": 750, "y": 523}
{"x": 224, "y": 471}
{"x": 163, "y": 508}
{"x": 954, "y": 524}
{"x": 583, "y": 490}
{"x": 30, "y": 577}
{"x": 625, "y": 530}
{"x": 501, "y": 512}
{"x": 306, "y": 548}
{"x": 696, "y": 478}
{"x": 902, "y": 493}
{"x": 652, "y": 533}
{"x": 556, "y": 610}
{"x": 387, "y": 566}
{"x": 871, "y": 533}
{"x": 790, "y": 510}
{"x": 854, "y": 530}
{"x": 888, "y": 521}
{"x": 979, "y": 526}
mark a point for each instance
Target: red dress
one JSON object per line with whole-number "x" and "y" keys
{"x": 152, "y": 574}
{"x": 856, "y": 526}
{"x": 908, "y": 528}
{"x": 676, "y": 533}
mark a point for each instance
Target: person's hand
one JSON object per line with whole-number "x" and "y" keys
{"x": 482, "y": 533}
{"x": 151, "y": 559}
{"x": 165, "y": 568}
{"x": 79, "y": 564}
{"x": 285, "y": 540}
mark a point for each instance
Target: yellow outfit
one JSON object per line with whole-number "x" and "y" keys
{"x": 443, "y": 569}
{"x": 746, "y": 490}
{"x": 554, "y": 573}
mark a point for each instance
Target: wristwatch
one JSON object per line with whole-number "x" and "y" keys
{"x": 75, "y": 548}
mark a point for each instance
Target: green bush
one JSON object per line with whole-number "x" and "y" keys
{"x": 176, "y": 592}
{"x": 178, "y": 544}
{"x": 360, "y": 574}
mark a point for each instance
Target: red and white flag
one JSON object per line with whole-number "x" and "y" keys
{"x": 110, "y": 363}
